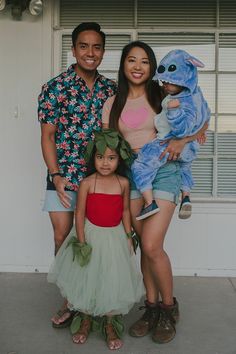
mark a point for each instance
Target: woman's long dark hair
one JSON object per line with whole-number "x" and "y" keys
{"x": 153, "y": 90}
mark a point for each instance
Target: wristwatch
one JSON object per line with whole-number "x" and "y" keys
{"x": 52, "y": 175}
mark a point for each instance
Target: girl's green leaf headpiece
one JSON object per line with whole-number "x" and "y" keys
{"x": 112, "y": 139}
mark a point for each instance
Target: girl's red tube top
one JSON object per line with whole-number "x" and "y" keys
{"x": 104, "y": 209}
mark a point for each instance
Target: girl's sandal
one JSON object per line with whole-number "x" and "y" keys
{"x": 113, "y": 341}
{"x": 113, "y": 328}
{"x": 84, "y": 325}
{"x": 65, "y": 322}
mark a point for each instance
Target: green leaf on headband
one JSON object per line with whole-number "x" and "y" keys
{"x": 111, "y": 133}
{"x": 125, "y": 151}
{"x": 112, "y": 142}
{"x": 123, "y": 154}
{"x": 89, "y": 150}
{"x": 101, "y": 146}
{"x": 112, "y": 139}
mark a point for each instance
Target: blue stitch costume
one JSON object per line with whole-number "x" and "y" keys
{"x": 178, "y": 68}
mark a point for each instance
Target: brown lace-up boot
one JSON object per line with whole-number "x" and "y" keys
{"x": 145, "y": 324}
{"x": 164, "y": 329}
{"x": 175, "y": 310}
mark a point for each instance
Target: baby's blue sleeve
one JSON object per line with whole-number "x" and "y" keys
{"x": 182, "y": 119}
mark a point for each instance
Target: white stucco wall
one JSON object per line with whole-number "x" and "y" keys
{"x": 25, "y": 63}
{"x": 203, "y": 245}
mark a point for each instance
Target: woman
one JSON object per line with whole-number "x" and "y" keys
{"x": 131, "y": 111}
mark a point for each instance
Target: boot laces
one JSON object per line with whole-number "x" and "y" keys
{"x": 166, "y": 319}
{"x": 150, "y": 312}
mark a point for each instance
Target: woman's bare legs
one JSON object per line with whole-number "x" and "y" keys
{"x": 158, "y": 273}
{"x": 152, "y": 293}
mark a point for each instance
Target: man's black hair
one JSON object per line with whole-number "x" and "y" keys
{"x": 87, "y": 26}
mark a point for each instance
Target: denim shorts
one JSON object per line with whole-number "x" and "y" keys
{"x": 166, "y": 184}
{"x": 52, "y": 201}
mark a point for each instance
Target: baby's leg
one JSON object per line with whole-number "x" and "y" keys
{"x": 185, "y": 209}
{"x": 144, "y": 170}
{"x": 148, "y": 197}
{"x": 150, "y": 206}
{"x": 147, "y": 164}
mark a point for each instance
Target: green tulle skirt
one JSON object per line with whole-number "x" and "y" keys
{"x": 110, "y": 283}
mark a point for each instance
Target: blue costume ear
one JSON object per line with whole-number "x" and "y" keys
{"x": 195, "y": 62}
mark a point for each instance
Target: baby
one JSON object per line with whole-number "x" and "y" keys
{"x": 184, "y": 112}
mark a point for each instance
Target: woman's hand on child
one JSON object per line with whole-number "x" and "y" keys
{"x": 202, "y": 139}
{"x": 173, "y": 149}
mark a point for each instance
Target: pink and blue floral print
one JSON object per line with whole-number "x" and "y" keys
{"x": 67, "y": 102}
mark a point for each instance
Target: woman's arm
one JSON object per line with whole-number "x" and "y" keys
{"x": 80, "y": 210}
{"x": 106, "y": 110}
{"x": 175, "y": 146}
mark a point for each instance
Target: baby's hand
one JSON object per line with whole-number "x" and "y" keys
{"x": 173, "y": 104}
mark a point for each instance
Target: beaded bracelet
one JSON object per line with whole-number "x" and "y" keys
{"x": 130, "y": 234}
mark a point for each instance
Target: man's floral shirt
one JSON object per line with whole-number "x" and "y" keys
{"x": 67, "y": 102}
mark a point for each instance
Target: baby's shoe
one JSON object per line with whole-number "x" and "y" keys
{"x": 148, "y": 211}
{"x": 185, "y": 209}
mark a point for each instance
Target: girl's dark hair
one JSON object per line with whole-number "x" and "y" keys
{"x": 121, "y": 168}
{"x": 153, "y": 89}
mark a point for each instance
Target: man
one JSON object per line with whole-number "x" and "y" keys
{"x": 70, "y": 108}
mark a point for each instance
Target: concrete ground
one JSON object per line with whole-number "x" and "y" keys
{"x": 207, "y": 325}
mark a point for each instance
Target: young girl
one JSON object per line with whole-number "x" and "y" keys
{"x": 96, "y": 272}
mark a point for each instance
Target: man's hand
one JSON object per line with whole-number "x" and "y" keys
{"x": 60, "y": 185}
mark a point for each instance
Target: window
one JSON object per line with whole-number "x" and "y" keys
{"x": 207, "y": 29}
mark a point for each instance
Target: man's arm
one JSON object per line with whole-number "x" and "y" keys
{"x": 50, "y": 157}
{"x": 49, "y": 147}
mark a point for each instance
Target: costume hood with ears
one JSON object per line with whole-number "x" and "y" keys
{"x": 179, "y": 68}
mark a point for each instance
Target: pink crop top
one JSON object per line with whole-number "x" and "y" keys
{"x": 136, "y": 122}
